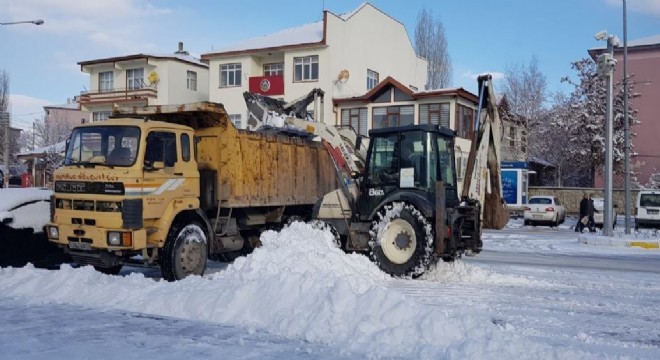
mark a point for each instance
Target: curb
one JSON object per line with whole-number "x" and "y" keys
{"x": 606, "y": 241}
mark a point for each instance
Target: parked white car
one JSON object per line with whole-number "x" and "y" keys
{"x": 599, "y": 205}
{"x": 648, "y": 209}
{"x": 547, "y": 210}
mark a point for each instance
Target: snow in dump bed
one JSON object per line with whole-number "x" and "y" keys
{"x": 297, "y": 285}
{"x": 25, "y": 207}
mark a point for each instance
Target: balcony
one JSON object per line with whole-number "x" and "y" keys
{"x": 118, "y": 95}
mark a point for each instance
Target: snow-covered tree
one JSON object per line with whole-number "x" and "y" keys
{"x": 51, "y": 132}
{"x": 431, "y": 44}
{"x": 53, "y": 160}
{"x": 584, "y": 120}
{"x": 654, "y": 181}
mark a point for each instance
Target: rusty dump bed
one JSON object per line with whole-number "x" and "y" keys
{"x": 253, "y": 168}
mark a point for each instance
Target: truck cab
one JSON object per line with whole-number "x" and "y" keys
{"x": 122, "y": 181}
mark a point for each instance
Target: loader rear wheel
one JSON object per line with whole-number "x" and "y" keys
{"x": 324, "y": 225}
{"x": 185, "y": 252}
{"x": 401, "y": 241}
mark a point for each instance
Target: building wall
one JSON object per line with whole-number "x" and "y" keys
{"x": 172, "y": 86}
{"x": 71, "y": 117}
{"x": 644, "y": 65}
{"x": 369, "y": 39}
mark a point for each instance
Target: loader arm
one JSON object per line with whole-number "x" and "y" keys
{"x": 483, "y": 174}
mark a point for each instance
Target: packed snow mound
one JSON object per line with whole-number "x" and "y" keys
{"x": 460, "y": 272}
{"x": 297, "y": 285}
{"x": 22, "y": 208}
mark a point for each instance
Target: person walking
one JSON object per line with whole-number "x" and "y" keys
{"x": 584, "y": 213}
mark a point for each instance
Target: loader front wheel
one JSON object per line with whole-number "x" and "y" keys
{"x": 185, "y": 252}
{"x": 401, "y": 241}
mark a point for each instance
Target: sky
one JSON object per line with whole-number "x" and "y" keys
{"x": 483, "y": 35}
{"x": 533, "y": 293}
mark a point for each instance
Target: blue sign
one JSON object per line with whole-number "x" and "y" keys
{"x": 514, "y": 165}
{"x": 510, "y": 186}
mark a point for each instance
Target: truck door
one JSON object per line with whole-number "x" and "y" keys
{"x": 163, "y": 174}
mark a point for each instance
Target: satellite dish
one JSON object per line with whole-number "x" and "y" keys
{"x": 153, "y": 77}
{"x": 343, "y": 76}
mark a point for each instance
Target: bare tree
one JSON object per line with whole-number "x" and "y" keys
{"x": 525, "y": 87}
{"x": 431, "y": 44}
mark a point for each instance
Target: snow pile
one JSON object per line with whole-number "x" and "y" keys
{"x": 297, "y": 285}
{"x": 25, "y": 207}
{"x": 460, "y": 272}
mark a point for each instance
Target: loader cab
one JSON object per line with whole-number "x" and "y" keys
{"x": 407, "y": 161}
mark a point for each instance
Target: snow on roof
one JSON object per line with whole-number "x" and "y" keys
{"x": 69, "y": 106}
{"x": 180, "y": 57}
{"x": 348, "y": 15}
{"x": 59, "y": 147}
{"x": 305, "y": 34}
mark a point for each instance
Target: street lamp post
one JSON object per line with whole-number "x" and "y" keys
{"x": 35, "y": 22}
{"x": 626, "y": 124}
{"x": 606, "y": 64}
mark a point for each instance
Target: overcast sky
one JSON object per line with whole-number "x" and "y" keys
{"x": 483, "y": 35}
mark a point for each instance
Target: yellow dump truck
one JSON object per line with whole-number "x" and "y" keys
{"x": 171, "y": 186}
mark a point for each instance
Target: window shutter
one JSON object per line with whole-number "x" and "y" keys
{"x": 444, "y": 115}
{"x": 424, "y": 114}
{"x": 363, "y": 122}
{"x": 345, "y": 117}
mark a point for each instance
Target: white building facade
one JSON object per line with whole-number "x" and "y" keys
{"x": 344, "y": 55}
{"x": 142, "y": 80}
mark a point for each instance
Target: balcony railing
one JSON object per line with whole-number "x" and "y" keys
{"x": 118, "y": 95}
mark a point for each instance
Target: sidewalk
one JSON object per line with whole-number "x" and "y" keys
{"x": 646, "y": 240}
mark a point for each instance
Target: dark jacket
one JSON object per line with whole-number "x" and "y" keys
{"x": 590, "y": 210}
{"x": 585, "y": 204}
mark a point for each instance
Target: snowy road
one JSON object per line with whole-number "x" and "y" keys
{"x": 532, "y": 293}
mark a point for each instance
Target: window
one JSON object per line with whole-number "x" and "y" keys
{"x": 161, "y": 146}
{"x": 185, "y": 147}
{"x": 512, "y": 136}
{"x": 382, "y": 163}
{"x": 106, "y": 80}
{"x": 436, "y": 114}
{"x": 191, "y": 80}
{"x": 461, "y": 165}
{"x": 134, "y": 79}
{"x": 306, "y": 68}
{"x": 355, "y": 118}
{"x": 100, "y": 115}
{"x": 372, "y": 79}
{"x": 393, "y": 116}
{"x": 464, "y": 121}
{"x": 236, "y": 120}
{"x": 230, "y": 75}
{"x": 273, "y": 69}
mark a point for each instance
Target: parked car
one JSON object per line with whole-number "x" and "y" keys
{"x": 648, "y": 209}
{"x": 547, "y": 210}
{"x": 599, "y": 205}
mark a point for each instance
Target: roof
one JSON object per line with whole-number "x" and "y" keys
{"x": 59, "y": 147}
{"x": 308, "y": 34}
{"x": 70, "y": 106}
{"x": 177, "y": 57}
{"x": 301, "y": 36}
{"x": 391, "y": 82}
{"x": 646, "y": 43}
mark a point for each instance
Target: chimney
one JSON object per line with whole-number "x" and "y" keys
{"x": 181, "y": 51}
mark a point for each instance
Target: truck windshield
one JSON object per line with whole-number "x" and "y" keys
{"x": 103, "y": 145}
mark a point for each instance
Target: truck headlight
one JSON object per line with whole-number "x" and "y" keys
{"x": 114, "y": 238}
{"x": 117, "y": 238}
{"x": 53, "y": 233}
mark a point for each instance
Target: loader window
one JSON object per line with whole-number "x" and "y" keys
{"x": 161, "y": 146}
{"x": 446, "y": 159}
{"x": 383, "y": 164}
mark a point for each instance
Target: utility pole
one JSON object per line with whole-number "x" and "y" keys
{"x": 626, "y": 123}
{"x": 606, "y": 64}
{"x": 4, "y": 117}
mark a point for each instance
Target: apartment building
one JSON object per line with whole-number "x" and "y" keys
{"x": 142, "y": 80}
{"x": 344, "y": 55}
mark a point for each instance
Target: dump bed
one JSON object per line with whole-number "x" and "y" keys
{"x": 250, "y": 168}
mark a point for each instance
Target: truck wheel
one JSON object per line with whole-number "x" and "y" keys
{"x": 184, "y": 253}
{"x": 113, "y": 270}
{"x": 401, "y": 241}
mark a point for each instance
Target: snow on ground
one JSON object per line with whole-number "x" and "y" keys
{"x": 299, "y": 289}
{"x": 25, "y": 207}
